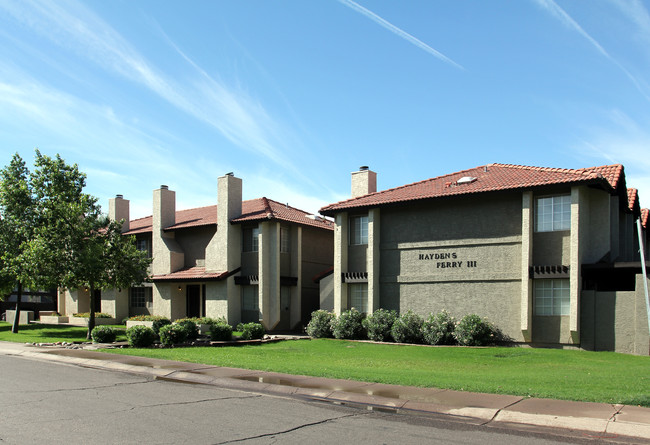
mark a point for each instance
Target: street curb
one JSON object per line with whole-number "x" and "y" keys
{"x": 609, "y": 420}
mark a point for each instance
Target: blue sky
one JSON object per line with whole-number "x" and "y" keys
{"x": 292, "y": 96}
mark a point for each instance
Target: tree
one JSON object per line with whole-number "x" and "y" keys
{"x": 75, "y": 245}
{"x": 17, "y": 225}
{"x": 52, "y": 234}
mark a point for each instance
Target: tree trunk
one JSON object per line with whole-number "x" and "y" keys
{"x": 91, "y": 318}
{"x": 19, "y": 296}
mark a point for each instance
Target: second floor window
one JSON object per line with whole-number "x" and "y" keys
{"x": 553, "y": 213}
{"x": 285, "y": 242}
{"x": 358, "y": 230}
{"x": 251, "y": 239}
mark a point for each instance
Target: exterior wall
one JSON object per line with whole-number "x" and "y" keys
{"x": 168, "y": 300}
{"x": 341, "y": 234}
{"x": 326, "y": 288}
{"x": 116, "y": 303}
{"x": 193, "y": 242}
{"x": 295, "y": 270}
{"x": 616, "y": 321}
{"x": 428, "y": 263}
{"x": 167, "y": 254}
{"x": 269, "y": 273}
{"x": 216, "y": 302}
{"x": 317, "y": 251}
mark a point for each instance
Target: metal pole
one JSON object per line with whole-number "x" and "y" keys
{"x": 643, "y": 269}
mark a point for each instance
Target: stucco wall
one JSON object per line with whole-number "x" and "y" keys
{"x": 429, "y": 263}
{"x": 193, "y": 242}
{"x": 317, "y": 256}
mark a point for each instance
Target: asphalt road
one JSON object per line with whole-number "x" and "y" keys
{"x": 46, "y": 402}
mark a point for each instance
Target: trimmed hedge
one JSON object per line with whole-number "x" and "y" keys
{"x": 438, "y": 329}
{"x": 172, "y": 334}
{"x": 190, "y": 327}
{"x": 103, "y": 334}
{"x": 252, "y": 331}
{"x": 140, "y": 336}
{"x": 472, "y": 330}
{"x": 408, "y": 328}
{"x": 221, "y": 332}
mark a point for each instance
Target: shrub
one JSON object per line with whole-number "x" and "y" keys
{"x": 379, "y": 324}
{"x": 240, "y": 327}
{"x": 190, "y": 328}
{"x": 408, "y": 328}
{"x": 220, "y": 332}
{"x": 103, "y": 334}
{"x": 320, "y": 325}
{"x": 473, "y": 330}
{"x": 349, "y": 325}
{"x": 172, "y": 334}
{"x": 87, "y": 315}
{"x": 252, "y": 331}
{"x": 438, "y": 329}
{"x": 160, "y": 322}
{"x": 140, "y": 336}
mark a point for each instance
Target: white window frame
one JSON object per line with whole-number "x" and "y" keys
{"x": 359, "y": 230}
{"x": 358, "y": 296}
{"x": 552, "y": 297}
{"x": 553, "y": 213}
{"x": 142, "y": 300}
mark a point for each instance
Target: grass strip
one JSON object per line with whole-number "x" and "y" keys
{"x": 605, "y": 377}
{"x": 49, "y": 333}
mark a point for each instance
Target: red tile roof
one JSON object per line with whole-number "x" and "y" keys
{"x": 252, "y": 210}
{"x": 193, "y": 273}
{"x": 644, "y": 218}
{"x": 632, "y": 197}
{"x": 488, "y": 178}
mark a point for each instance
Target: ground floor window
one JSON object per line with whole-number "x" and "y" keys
{"x": 140, "y": 297}
{"x": 552, "y": 297}
{"x": 359, "y": 296}
{"x": 250, "y": 304}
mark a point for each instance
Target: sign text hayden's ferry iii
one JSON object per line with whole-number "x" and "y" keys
{"x": 442, "y": 260}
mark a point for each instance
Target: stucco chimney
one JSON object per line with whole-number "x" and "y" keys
{"x": 364, "y": 181}
{"x": 164, "y": 208}
{"x": 118, "y": 209}
{"x": 223, "y": 252}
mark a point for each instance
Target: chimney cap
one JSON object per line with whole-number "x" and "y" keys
{"x": 119, "y": 196}
{"x": 164, "y": 187}
{"x": 363, "y": 168}
{"x": 230, "y": 174}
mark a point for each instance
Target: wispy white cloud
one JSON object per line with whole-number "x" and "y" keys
{"x": 621, "y": 140}
{"x": 399, "y": 32}
{"x": 239, "y": 118}
{"x": 560, "y": 14}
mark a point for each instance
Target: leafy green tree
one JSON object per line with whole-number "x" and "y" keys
{"x": 17, "y": 225}
{"x": 75, "y": 244}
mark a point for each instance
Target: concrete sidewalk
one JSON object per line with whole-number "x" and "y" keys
{"x": 599, "y": 420}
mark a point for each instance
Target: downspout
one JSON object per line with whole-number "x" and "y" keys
{"x": 643, "y": 269}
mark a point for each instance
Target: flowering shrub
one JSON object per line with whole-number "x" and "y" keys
{"x": 172, "y": 334}
{"x": 408, "y": 328}
{"x": 379, "y": 323}
{"x": 473, "y": 330}
{"x": 349, "y": 325}
{"x": 320, "y": 325}
{"x": 438, "y": 329}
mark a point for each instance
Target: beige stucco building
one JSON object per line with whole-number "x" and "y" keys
{"x": 243, "y": 260}
{"x": 551, "y": 256}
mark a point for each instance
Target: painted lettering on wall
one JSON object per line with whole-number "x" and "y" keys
{"x": 447, "y": 264}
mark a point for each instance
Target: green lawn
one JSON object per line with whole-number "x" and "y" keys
{"x": 47, "y": 333}
{"x": 549, "y": 373}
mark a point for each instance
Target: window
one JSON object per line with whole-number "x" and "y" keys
{"x": 552, "y": 297}
{"x": 359, "y": 296}
{"x": 553, "y": 213}
{"x": 142, "y": 245}
{"x": 249, "y": 298}
{"x": 251, "y": 239}
{"x": 359, "y": 230}
{"x": 285, "y": 241}
{"x": 140, "y": 297}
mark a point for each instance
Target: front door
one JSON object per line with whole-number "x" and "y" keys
{"x": 193, "y": 300}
